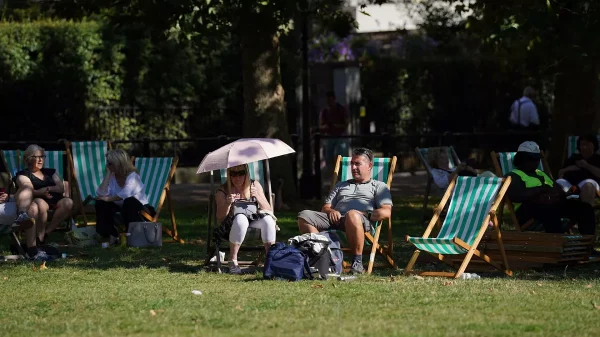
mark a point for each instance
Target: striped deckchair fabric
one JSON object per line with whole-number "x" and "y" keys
{"x": 12, "y": 161}
{"x": 383, "y": 170}
{"x": 473, "y": 201}
{"x": 572, "y": 145}
{"x": 55, "y": 160}
{"x": 156, "y": 174}
{"x": 89, "y": 160}
{"x": 505, "y": 159}
{"x": 87, "y": 166}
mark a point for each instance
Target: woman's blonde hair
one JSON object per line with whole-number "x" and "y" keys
{"x": 246, "y": 186}
{"x": 28, "y": 159}
{"x": 121, "y": 162}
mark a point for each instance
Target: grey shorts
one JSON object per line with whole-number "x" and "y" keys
{"x": 321, "y": 221}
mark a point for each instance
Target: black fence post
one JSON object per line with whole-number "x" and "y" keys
{"x": 294, "y": 140}
{"x": 146, "y": 147}
{"x": 317, "y": 164}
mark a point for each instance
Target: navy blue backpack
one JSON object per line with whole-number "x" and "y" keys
{"x": 286, "y": 262}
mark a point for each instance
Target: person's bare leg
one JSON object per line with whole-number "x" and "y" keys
{"x": 305, "y": 227}
{"x": 234, "y": 248}
{"x": 63, "y": 210}
{"x": 587, "y": 193}
{"x": 24, "y": 198}
{"x": 355, "y": 232}
{"x": 30, "y": 229}
{"x": 42, "y": 217}
{"x": 268, "y": 246}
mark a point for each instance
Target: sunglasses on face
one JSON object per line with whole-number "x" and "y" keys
{"x": 238, "y": 173}
{"x": 38, "y": 157}
{"x": 108, "y": 164}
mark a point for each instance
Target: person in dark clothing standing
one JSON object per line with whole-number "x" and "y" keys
{"x": 536, "y": 196}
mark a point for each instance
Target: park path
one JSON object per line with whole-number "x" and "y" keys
{"x": 404, "y": 184}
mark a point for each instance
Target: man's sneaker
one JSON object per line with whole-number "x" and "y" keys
{"x": 24, "y": 220}
{"x": 235, "y": 269}
{"x": 40, "y": 256}
{"x": 356, "y": 268}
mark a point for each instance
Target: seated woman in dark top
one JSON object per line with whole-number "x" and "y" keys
{"x": 582, "y": 169}
{"x": 43, "y": 187}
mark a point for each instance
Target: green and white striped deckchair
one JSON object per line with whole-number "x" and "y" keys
{"x": 12, "y": 161}
{"x": 422, "y": 155}
{"x": 87, "y": 161}
{"x": 383, "y": 170}
{"x": 55, "y": 160}
{"x": 473, "y": 204}
{"x": 156, "y": 174}
{"x": 503, "y": 164}
{"x": 572, "y": 145}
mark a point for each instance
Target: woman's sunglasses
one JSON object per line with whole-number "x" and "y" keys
{"x": 238, "y": 173}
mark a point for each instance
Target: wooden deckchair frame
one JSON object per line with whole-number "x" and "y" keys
{"x": 212, "y": 224}
{"x": 471, "y": 249}
{"x": 429, "y": 176}
{"x": 506, "y": 202}
{"x": 386, "y": 252}
{"x": 79, "y": 202}
{"x": 166, "y": 194}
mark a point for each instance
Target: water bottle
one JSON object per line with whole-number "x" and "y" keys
{"x": 346, "y": 278}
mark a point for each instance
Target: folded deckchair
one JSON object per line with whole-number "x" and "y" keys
{"x": 503, "y": 164}
{"x": 87, "y": 162}
{"x": 422, "y": 155}
{"x": 156, "y": 174}
{"x": 383, "y": 170}
{"x": 259, "y": 171}
{"x": 12, "y": 163}
{"x": 473, "y": 203}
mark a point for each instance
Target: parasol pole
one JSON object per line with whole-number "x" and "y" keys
{"x": 268, "y": 172}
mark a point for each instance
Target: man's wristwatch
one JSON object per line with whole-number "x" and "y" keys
{"x": 369, "y": 215}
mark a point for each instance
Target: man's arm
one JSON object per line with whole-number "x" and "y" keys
{"x": 333, "y": 215}
{"x": 384, "y": 212}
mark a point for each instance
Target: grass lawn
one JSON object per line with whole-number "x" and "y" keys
{"x": 148, "y": 292}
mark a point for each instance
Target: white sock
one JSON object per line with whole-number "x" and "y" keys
{"x": 234, "y": 262}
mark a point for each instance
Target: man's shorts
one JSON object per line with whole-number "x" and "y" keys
{"x": 321, "y": 221}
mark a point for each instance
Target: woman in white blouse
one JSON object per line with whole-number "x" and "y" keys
{"x": 122, "y": 191}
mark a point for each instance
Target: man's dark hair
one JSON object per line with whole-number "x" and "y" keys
{"x": 330, "y": 94}
{"x": 590, "y": 138}
{"x": 363, "y": 151}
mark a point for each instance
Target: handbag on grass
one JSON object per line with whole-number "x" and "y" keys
{"x": 144, "y": 234}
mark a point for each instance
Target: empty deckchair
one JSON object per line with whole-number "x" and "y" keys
{"x": 259, "y": 171}
{"x": 87, "y": 162}
{"x": 473, "y": 203}
{"x": 503, "y": 164}
{"x": 383, "y": 170}
{"x": 423, "y": 157}
{"x": 12, "y": 163}
{"x": 156, "y": 174}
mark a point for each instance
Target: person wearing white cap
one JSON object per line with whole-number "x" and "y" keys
{"x": 535, "y": 195}
{"x": 582, "y": 170}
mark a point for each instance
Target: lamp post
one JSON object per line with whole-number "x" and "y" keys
{"x": 306, "y": 180}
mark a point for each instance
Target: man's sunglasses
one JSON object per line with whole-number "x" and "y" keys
{"x": 238, "y": 173}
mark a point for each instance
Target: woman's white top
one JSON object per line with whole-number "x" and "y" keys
{"x": 440, "y": 177}
{"x": 133, "y": 188}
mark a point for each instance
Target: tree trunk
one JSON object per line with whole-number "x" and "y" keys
{"x": 264, "y": 105}
{"x": 576, "y": 108}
